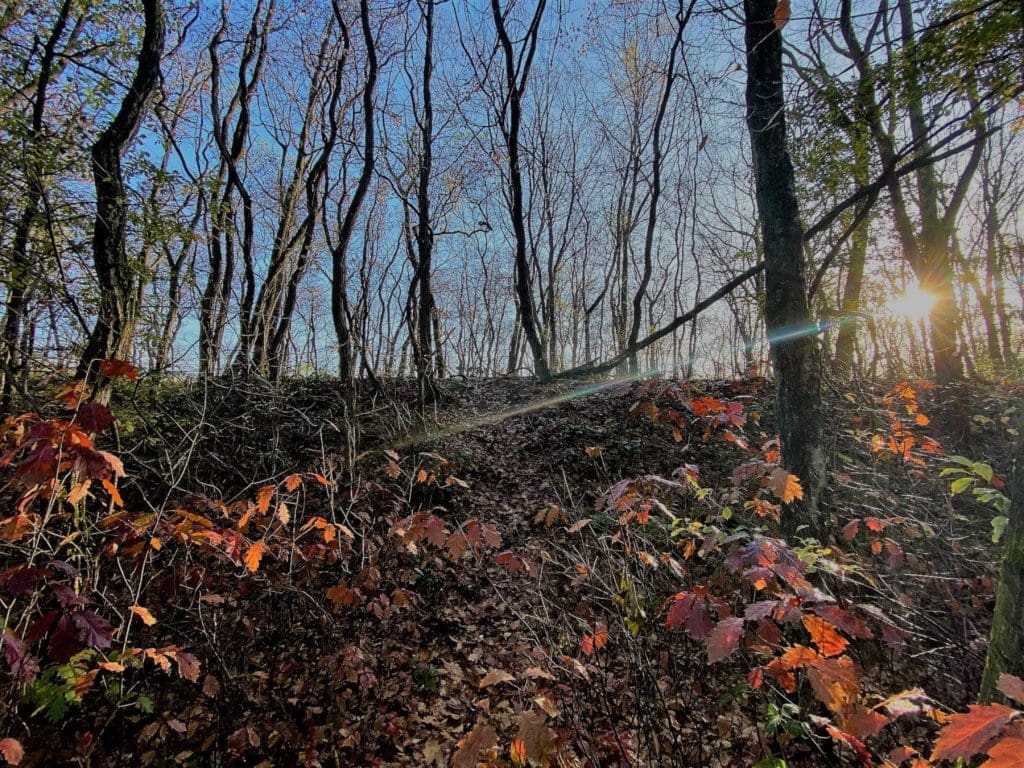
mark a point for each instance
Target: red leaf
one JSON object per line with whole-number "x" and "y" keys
{"x": 724, "y": 638}
{"x": 94, "y": 417}
{"x": 755, "y": 678}
{"x": 969, "y": 734}
{"x": 23, "y": 665}
{"x": 12, "y": 751}
{"x": 93, "y": 630}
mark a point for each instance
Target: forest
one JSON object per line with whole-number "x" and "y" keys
{"x": 508, "y": 383}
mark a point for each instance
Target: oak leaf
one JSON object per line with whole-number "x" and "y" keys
{"x": 254, "y": 555}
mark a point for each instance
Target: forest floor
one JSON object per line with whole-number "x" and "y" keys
{"x": 494, "y": 583}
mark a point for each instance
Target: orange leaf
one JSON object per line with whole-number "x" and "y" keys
{"x": 79, "y": 491}
{"x": 784, "y": 485}
{"x": 292, "y": 482}
{"x": 12, "y": 751}
{"x": 517, "y": 752}
{"x": 600, "y": 636}
{"x": 263, "y": 496}
{"x": 1008, "y": 752}
{"x": 254, "y": 555}
{"x": 119, "y": 369}
{"x": 111, "y": 489}
{"x": 143, "y": 613}
{"x": 112, "y": 666}
{"x": 969, "y": 734}
{"x": 824, "y": 635}
{"x": 781, "y": 14}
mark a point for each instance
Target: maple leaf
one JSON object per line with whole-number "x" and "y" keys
{"x": 538, "y": 740}
{"x": 970, "y": 733}
{"x": 94, "y": 417}
{"x": 724, "y": 638}
{"x": 472, "y": 744}
{"x": 119, "y": 369}
{"x": 254, "y": 555}
{"x": 1012, "y": 687}
{"x": 784, "y": 485}
{"x": 12, "y": 751}
{"x": 143, "y": 613}
{"x": 494, "y": 677}
{"x": 824, "y": 635}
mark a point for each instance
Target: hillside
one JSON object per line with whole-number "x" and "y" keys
{"x": 532, "y": 562}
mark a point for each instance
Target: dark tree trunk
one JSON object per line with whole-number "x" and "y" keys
{"x": 1006, "y": 642}
{"x": 116, "y": 316}
{"x": 516, "y": 75}
{"x": 790, "y": 331}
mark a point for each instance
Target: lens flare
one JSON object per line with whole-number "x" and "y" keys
{"x": 915, "y": 303}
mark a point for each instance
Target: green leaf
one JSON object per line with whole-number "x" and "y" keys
{"x": 999, "y": 527}
{"x": 963, "y": 461}
{"x": 771, "y": 762}
{"x": 983, "y": 470}
{"x": 960, "y": 485}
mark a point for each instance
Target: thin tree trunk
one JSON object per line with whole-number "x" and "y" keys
{"x": 791, "y": 334}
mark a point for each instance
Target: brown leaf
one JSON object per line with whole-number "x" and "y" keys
{"x": 537, "y": 738}
{"x": 494, "y": 677}
{"x": 472, "y": 744}
{"x": 781, "y": 14}
{"x": 1012, "y": 687}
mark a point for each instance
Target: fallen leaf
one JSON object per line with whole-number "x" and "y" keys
{"x": 494, "y": 677}
{"x": 12, "y": 751}
{"x": 472, "y": 744}
{"x": 968, "y": 734}
{"x": 143, "y": 613}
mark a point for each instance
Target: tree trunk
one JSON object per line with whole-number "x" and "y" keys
{"x": 790, "y": 331}
{"x": 1006, "y": 642}
{"x": 116, "y": 316}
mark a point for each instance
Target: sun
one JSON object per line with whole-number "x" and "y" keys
{"x": 915, "y": 303}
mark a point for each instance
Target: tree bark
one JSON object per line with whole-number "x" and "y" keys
{"x": 790, "y": 331}
{"x": 1006, "y": 641}
{"x": 117, "y": 313}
